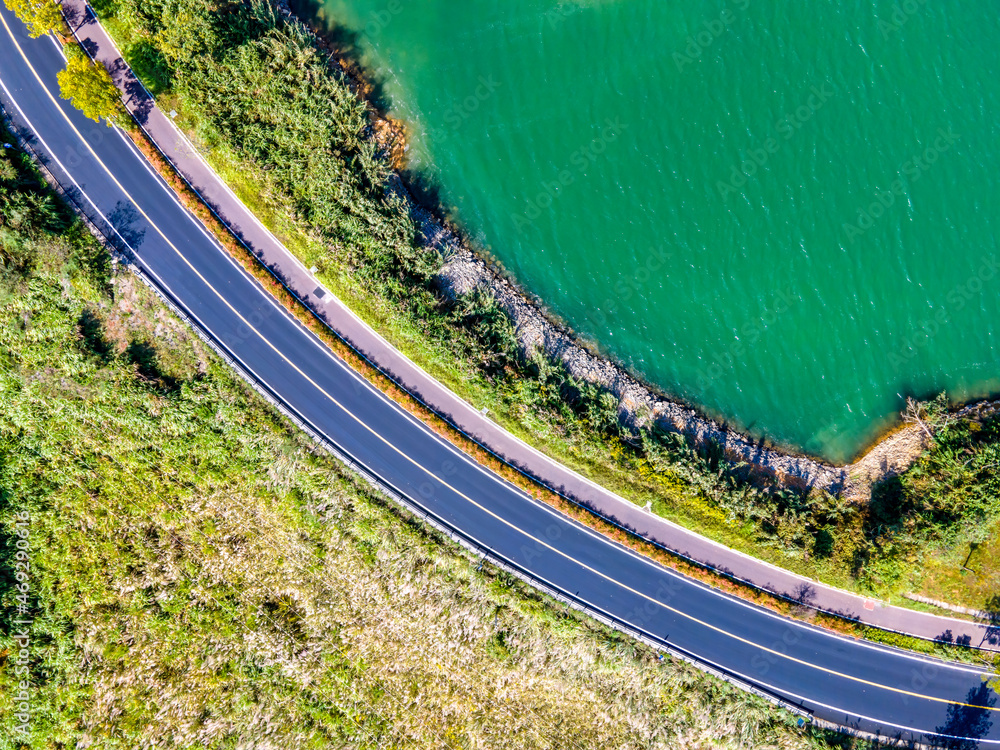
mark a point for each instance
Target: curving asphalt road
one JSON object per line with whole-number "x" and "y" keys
{"x": 852, "y": 684}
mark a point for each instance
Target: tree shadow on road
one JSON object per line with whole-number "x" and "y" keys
{"x": 967, "y": 725}
{"x": 127, "y": 236}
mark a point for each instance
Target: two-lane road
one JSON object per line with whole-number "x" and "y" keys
{"x": 853, "y": 684}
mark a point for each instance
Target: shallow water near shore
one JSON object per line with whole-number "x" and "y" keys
{"x": 785, "y": 214}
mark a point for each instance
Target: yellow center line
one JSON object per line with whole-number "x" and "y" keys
{"x": 431, "y": 474}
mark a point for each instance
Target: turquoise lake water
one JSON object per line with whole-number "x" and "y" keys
{"x": 784, "y": 213}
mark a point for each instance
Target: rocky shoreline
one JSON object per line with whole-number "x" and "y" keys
{"x": 465, "y": 271}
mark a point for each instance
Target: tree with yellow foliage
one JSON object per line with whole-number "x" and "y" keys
{"x": 41, "y": 16}
{"x": 89, "y": 86}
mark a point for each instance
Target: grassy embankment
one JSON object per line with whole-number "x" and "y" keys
{"x": 201, "y": 577}
{"x": 285, "y": 130}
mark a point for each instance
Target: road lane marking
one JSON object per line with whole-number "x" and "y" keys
{"x": 427, "y": 471}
